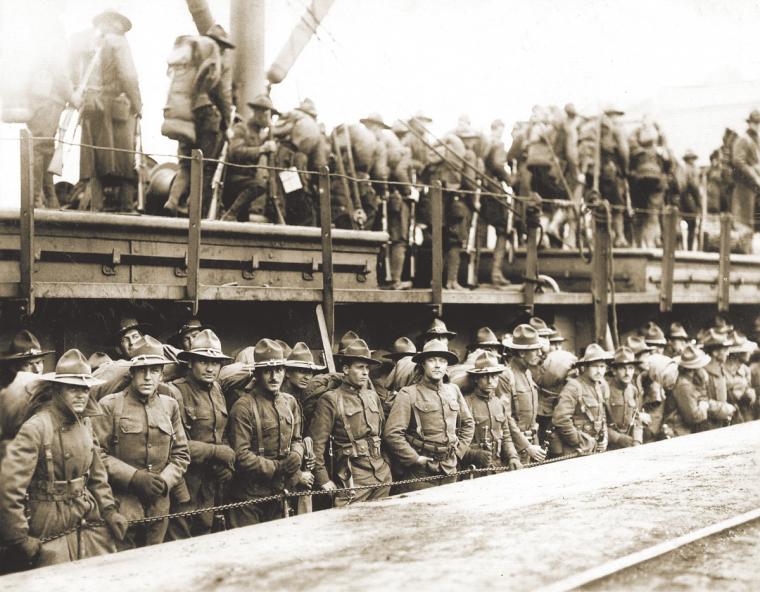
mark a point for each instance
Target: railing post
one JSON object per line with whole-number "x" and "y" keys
{"x": 724, "y": 268}
{"x": 533, "y": 223}
{"x": 26, "y": 223}
{"x": 325, "y": 221}
{"x": 669, "y": 230}
{"x": 195, "y": 202}
{"x": 436, "y": 280}
{"x": 600, "y": 263}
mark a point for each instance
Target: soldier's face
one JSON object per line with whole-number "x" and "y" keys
{"x": 128, "y": 340}
{"x": 261, "y": 117}
{"x": 719, "y": 354}
{"x": 531, "y": 357}
{"x": 299, "y": 378}
{"x": 271, "y": 378}
{"x": 74, "y": 397}
{"x": 357, "y": 373}
{"x": 677, "y": 345}
{"x": 205, "y": 370}
{"x": 145, "y": 379}
{"x": 624, "y": 373}
{"x": 434, "y": 368}
{"x": 187, "y": 338}
{"x": 595, "y": 372}
{"x": 555, "y": 346}
{"x": 487, "y": 383}
{"x": 643, "y": 359}
{"x": 35, "y": 366}
{"x": 657, "y": 349}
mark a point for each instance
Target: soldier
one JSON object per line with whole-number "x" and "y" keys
{"x": 110, "y": 109}
{"x": 204, "y": 416}
{"x": 525, "y": 345}
{"x": 623, "y": 423}
{"x": 129, "y": 333}
{"x": 351, "y": 416}
{"x": 654, "y": 338}
{"x": 492, "y": 443}
{"x": 187, "y": 332}
{"x": 690, "y": 202}
{"x": 249, "y": 142}
{"x": 26, "y": 353}
{"x": 650, "y": 391}
{"x": 299, "y": 370}
{"x": 555, "y": 371}
{"x": 438, "y": 330}
{"x": 555, "y": 340}
{"x": 745, "y": 162}
{"x": 53, "y": 478}
{"x": 613, "y": 169}
{"x": 419, "y": 151}
{"x": 212, "y": 114}
{"x": 741, "y": 394}
{"x": 430, "y": 426}
{"x": 715, "y": 344}
{"x": 144, "y": 445}
{"x": 689, "y": 403}
{"x": 678, "y": 338}
{"x": 401, "y": 353}
{"x": 265, "y": 432}
{"x": 579, "y": 417}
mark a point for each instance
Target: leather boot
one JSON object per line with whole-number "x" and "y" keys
{"x": 618, "y": 230}
{"x": 497, "y": 277}
{"x": 242, "y": 202}
{"x": 452, "y": 269}
{"x": 398, "y": 255}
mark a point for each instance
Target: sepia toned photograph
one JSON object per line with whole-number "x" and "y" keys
{"x": 363, "y": 295}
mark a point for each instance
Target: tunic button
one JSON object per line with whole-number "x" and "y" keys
{"x": 66, "y": 455}
{"x": 150, "y": 445}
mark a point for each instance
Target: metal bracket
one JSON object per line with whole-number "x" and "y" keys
{"x": 308, "y": 276}
{"x": 249, "y": 271}
{"x": 110, "y": 268}
{"x": 361, "y": 276}
{"x": 181, "y": 270}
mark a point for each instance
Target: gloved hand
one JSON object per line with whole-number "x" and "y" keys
{"x": 222, "y": 473}
{"x": 147, "y": 485}
{"x": 514, "y": 464}
{"x": 224, "y": 455}
{"x": 626, "y": 441}
{"x": 116, "y": 523}
{"x": 291, "y": 463}
{"x": 536, "y": 453}
{"x": 306, "y": 479}
{"x": 481, "y": 458}
{"x": 28, "y": 549}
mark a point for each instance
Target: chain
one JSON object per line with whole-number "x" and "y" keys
{"x": 280, "y": 497}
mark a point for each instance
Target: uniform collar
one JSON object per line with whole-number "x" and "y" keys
{"x": 140, "y": 397}
{"x": 483, "y": 395}
{"x": 430, "y": 385}
{"x": 714, "y": 368}
{"x": 257, "y": 390}
{"x": 351, "y": 388}
{"x": 201, "y": 386}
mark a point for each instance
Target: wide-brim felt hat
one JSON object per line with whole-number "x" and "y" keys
{"x": 301, "y": 358}
{"x": 714, "y": 339}
{"x": 485, "y": 337}
{"x": 112, "y": 15}
{"x": 741, "y": 345}
{"x": 486, "y": 363}
{"x": 637, "y": 344}
{"x": 218, "y": 34}
{"x": 692, "y": 358}
{"x": 421, "y": 116}
{"x": 653, "y": 335}
{"x": 307, "y": 106}
{"x": 24, "y": 346}
{"x": 192, "y": 325}
{"x": 263, "y": 101}
{"x": 524, "y": 337}
{"x": 624, "y": 356}
{"x": 754, "y": 116}
{"x": 540, "y": 326}
{"x": 435, "y": 348}
{"x": 555, "y": 336}
{"x": 148, "y": 351}
{"x": 690, "y": 155}
{"x": 374, "y": 119}
{"x": 267, "y": 353}
{"x": 439, "y": 329}
{"x": 594, "y": 353}
{"x": 204, "y": 345}
{"x": 677, "y": 331}
{"x": 72, "y": 369}
{"x": 403, "y": 347}
{"x": 357, "y": 350}
{"x": 129, "y": 323}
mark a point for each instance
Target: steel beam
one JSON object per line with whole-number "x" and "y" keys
{"x": 26, "y": 223}
{"x": 325, "y": 220}
{"x": 194, "y": 229}
{"x": 436, "y": 281}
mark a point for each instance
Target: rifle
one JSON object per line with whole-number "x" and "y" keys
{"x": 413, "y": 199}
{"x": 139, "y": 167}
{"x": 343, "y": 179}
{"x": 71, "y": 118}
{"x": 361, "y": 220}
{"x": 304, "y": 501}
{"x": 387, "y": 245}
{"x": 272, "y": 180}
{"x": 217, "y": 181}
{"x": 473, "y": 249}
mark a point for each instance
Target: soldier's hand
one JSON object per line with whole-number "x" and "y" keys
{"x": 482, "y": 458}
{"x": 329, "y": 486}
{"x": 224, "y": 454}
{"x": 536, "y": 453}
{"x": 309, "y": 463}
{"x": 147, "y": 485}
{"x": 29, "y": 548}
{"x": 514, "y": 464}
{"x": 645, "y": 418}
{"x": 117, "y": 524}
{"x": 306, "y": 478}
{"x": 291, "y": 463}
{"x": 423, "y": 460}
{"x": 268, "y": 146}
{"x": 223, "y": 473}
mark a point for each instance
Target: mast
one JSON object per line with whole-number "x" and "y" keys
{"x": 248, "y": 31}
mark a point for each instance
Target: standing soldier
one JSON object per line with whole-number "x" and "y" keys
{"x": 419, "y": 151}
{"x": 715, "y": 345}
{"x": 111, "y": 107}
{"x": 522, "y": 398}
{"x": 654, "y": 337}
{"x": 265, "y": 432}
{"x": 212, "y": 114}
{"x": 348, "y": 422}
{"x": 144, "y": 444}
{"x": 623, "y": 422}
{"x": 745, "y": 162}
{"x": 204, "y": 415}
{"x": 53, "y": 478}
{"x": 403, "y": 349}
{"x": 690, "y": 202}
{"x": 299, "y": 370}
{"x": 741, "y": 394}
{"x": 250, "y": 142}
{"x": 613, "y": 168}
{"x": 689, "y": 401}
{"x": 555, "y": 372}
{"x": 492, "y": 443}
{"x": 430, "y": 426}
{"x": 579, "y": 417}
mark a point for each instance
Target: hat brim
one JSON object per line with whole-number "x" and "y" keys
{"x": 222, "y": 41}
{"x": 486, "y": 344}
{"x": 446, "y": 334}
{"x": 510, "y": 345}
{"x": 152, "y": 361}
{"x": 421, "y": 118}
{"x": 26, "y": 355}
{"x": 269, "y": 364}
{"x": 126, "y": 24}
{"x": 208, "y": 354}
{"x": 450, "y": 357}
{"x": 605, "y": 359}
{"x": 343, "y": 359}
{"x": 679, "y": 336}
{"x": 709, "y": 346}
{"x": 307, "y": 111}
{"x": 655, "y": 342}
{"x": 304, "y": 366}
{"x": 498, "y": 369}
{"x": 557, "y": 339}
{"x": 399, "y": 355}
{"x": 696, "y": 364}
{"x": 630, "y": 362}
{"x": 381, "y": 124}
{"x": 72, "y": 379}
{"x": 270, "y": 109}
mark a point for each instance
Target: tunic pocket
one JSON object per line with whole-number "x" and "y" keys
{"x": 130, "y": 426}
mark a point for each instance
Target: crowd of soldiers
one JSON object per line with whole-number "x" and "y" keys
{"x": 260, "y": 168}
{"x": 96, "y": 453}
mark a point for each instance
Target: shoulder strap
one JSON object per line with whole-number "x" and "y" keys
{"x": 416, "y": 413}
{"x": 257, "y": 419}
{"x": 47, "y": 445}
{"x": 118, "y": 409}
{"x": 344, "y": 418}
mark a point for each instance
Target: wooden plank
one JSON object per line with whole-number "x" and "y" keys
{"x": 436, "y": 282}
{"x": 26, "y": 222}
{"x": 195, "y": 201}
{"x": 531, "y": 269}
{"x": 669, "y": 222}
{"x": 725, "y": 262}
{"x": 600, "y": 280}
{"x": 325, "y": 215}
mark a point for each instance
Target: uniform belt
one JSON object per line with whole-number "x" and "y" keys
{"x": 57, "y": 490}
{"x": 438, "y": 451}
{"x": 363, "y": 447}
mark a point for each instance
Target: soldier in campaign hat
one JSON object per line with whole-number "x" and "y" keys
{"x": 438, "y": 330}
{"x": 204, "y": 417}
{"x": 492, "y": 441}
{"x": 139, "y": 419}
{"x": 52, "y": 479}
{"x": 716, "y": 344}
{"x": 579, "y": 419}
{"x": 403, "y": 372}
{"x": 268, "y": 460}
{"x": 430, "y": 426}
{"x": 352, "y": 416}
{"x": 739, "y": 377}
{"x": 187, "y": 332}
{"x": 26, "y": 353}
{"x": 129, "y": 332}
{"x": 678, "y": 338}
{"x": 654, "y": 337}
{"x": 525, "y": 345}
{"x": 485, "y": 339}
{"x": 745, "y": 161}
{"x": 300, "y": 367}
{"x": 623, "y": 422}
{"x": 691, "y": 403}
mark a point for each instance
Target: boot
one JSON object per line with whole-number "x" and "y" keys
{"x": 497, "y": 277}
{"x": 452, "y": 269}
{"x": 398, "y": 255}
{"x": 242, "y": 202}
{"x": 618, "y": 230}
{"x": 554, "y": 228}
